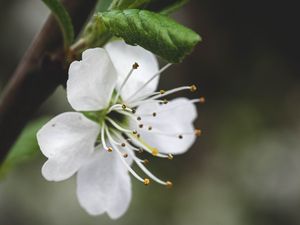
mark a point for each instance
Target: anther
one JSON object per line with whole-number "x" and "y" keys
{"x": 180, "y": 136}
{"x": 141, "y": 125}
{"x": 138, "y": 135}
{"x": 134, "y": 132}
{"x": 135, "y": 65}
{"x": 145, "y": 161}
{"x": 125, "y": 155}
{"x": 202, "y": 100}
{"x": 149, "y": 128}
{"x": 170, "y": 156}
{"x": 162, "y": 92}
{"x": 146, "y": 181}
{"x": 138, "y": 118}
{"x": 154, "y": 114}
{"x": 109, "y": 149}
{"x": 154, "y": 152}
{"x": 193, "y": 88}
{"x": 169, "y": 184}
{"x": 198, "y": 132}
{"x": 124, "y": 106}
{"x": 141, "y": 150}
{"x": 123, "y": 144}
{"x": 133, "y": 111}
{"x": 165, "y": 101}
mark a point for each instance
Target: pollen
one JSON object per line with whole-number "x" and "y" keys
{"x": 109, "y": 149}
{"x": 124, "y": 106}
{"x": 135, "y": 65}
{"x": 170, "y": 156}
{"x": 141, "y": 150}
{"x": 162, "y": 92}
{"x": 145, "y": 161}
{"x": 198, "y": 132}
{"x": 146, "y": 181}
{"x": 134, "y": 132}
{"x": 154, "y": 151}
{"x": 193, "y": 88}
{"x": 165, "y": 101}
{"x": 169, "y": 184}
{"x": 202, "y": 99}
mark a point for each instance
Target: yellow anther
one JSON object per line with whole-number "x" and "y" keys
{"x": 124, "y": 106}
{"x": 154, "y": 114}
{"x": 123, "y": 144}
{"x": 170, "y": 156}
{"x": 109, "y": 149}
{"x": 135, "y": 65}
{"x": 149, "y": 128}
{"x": 180, "y": 136}
{"x": 198, "y": 132}
{"x": 125, "y": 155}
{"x": 169, "y": 184}
{"x": 162, "y": 92}
{"x": 146, "y": 181}
{"x": 155, "y": 151}
{"x": 202, "y": 100}
{"x": 193, "y": 88}
{"x": 146, "y": 161}
{"x": 165, "y": 101}
{"x": 134, "y": 132}
{"x": 141, "y": 126}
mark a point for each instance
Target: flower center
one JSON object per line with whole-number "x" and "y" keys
{"x": 117, "y": 134}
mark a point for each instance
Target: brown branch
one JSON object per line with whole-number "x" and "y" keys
{"x": 39, "y": 73}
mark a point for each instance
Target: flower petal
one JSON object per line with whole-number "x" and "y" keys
{"x": 91, "y": 81}
{"x": 171, "y": 120}
{"x": 66, "y": 140}
{"x": 123, "y": 57}
{"x": 103, "y": 185}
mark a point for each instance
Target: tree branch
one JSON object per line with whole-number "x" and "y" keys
{"x": 39, "y": 73}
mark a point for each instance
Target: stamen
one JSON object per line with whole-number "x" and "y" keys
{"x": 122, "y": 158}
{"x": 152, "y": 78}
{"x": 198, "y": 132}
{"x": 200, "y": 100}
{"x": 193, "y": 88}
{"x": 118, "y": 127}
{"x": 134, "y": 67}
{"x": 146, "y": 181}
{"x": 169, "y": 184}
{"x": 172, "y": 91}
{"x": 109, "y": 149}
{"x": 170, "y": 156}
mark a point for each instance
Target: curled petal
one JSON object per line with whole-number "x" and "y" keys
{"x": 91, "y": 81}
{"x": 67, "y": 140}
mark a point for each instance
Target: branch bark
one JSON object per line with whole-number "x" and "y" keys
{"x": 40, "y": 72}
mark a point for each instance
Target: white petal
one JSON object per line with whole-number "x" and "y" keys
{"x": 174, "y": 118}
{"x": 91, "y": 81}
{"x": 66, "y": 140}
{"x": 103, "y": 185}
{"x": 123, "y": 57}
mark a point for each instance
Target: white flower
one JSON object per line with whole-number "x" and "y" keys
{"x": 118, "y": 115}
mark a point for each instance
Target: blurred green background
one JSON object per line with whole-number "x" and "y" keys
{"x": 244, "y": 170}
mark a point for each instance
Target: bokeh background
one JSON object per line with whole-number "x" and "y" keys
{"x": 244, "y": 170}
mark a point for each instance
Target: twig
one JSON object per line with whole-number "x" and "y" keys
{"x": 39, "y": 73}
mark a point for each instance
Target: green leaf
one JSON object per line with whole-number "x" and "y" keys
{"x": 63, "y": 19}
{"x": 26, "y": 146}
{"x": 153, "y": 31}
{"x": 128, "y": 4}
{"x": 103, "y": 5}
